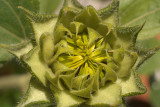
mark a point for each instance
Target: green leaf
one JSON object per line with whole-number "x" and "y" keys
{"x": 9, "y": 97}
{"x": 148, "y": 62}
{"x": 4, "y": 57}
{"x": 66, "y": 99}
{"x": 14, "y": 27}
{"x": 37, "y": 66}
{"x": 146, "y": 10}
{"x": 109, "y": 95}
{"x": 131, "y": 85}
{"x": 37, "y": 95}
{"x": 49, "y": 6}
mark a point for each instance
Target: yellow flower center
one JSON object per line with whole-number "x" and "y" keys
{"x": 82, "y": 54}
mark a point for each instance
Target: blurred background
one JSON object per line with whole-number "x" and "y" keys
{"x": 14, "y": 77}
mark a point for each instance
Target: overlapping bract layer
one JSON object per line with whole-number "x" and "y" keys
{"x": 83, "y": 56}
{"x": 85, "y": 59}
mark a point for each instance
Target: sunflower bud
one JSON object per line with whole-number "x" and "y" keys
{"x": 83, "y": 57}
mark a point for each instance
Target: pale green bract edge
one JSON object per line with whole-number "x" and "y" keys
{"x": 40, "y": 28}
{"x": 66, "y": 99}
{"x": 18, "y": 49}
{"x": 36, "y": 95}
{"x": 147, "y": 56}
{"x": 110, "y": 13}
{"x": 108, "y": 95}
{"x": 36, "y": 65}
{"x": 40, "y": 23}
{"x": 131, "y": 85}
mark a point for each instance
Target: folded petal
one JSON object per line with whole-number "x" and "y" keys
{"x": 87, "y": 16}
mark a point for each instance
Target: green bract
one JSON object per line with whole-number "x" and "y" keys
{"x": 82, "y": 57}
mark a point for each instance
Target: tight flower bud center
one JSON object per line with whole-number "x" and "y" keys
{"x": 83, "y": 54}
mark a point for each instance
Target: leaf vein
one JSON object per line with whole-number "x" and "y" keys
{"x": 18, "y": 18}
{"x": 142, "y": 16}
{"x": 12, "y": 34}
